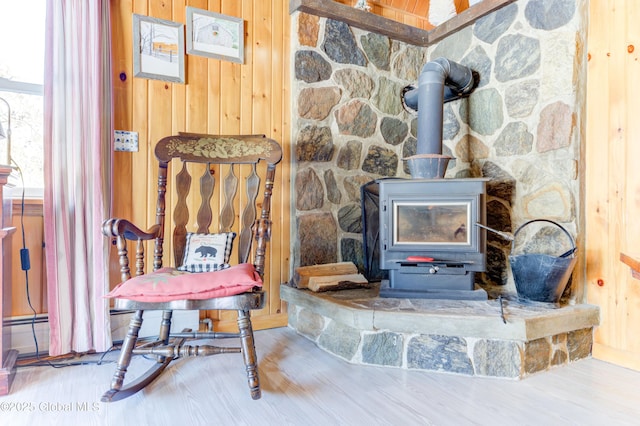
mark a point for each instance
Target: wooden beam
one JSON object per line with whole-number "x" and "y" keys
{"x": 360, "y": 19}
{"x": 370, "y": 22}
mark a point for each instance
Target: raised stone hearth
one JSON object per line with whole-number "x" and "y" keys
{"x": 454, "y": 336}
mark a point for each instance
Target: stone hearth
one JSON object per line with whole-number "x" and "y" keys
{"x": 454, "y": 336}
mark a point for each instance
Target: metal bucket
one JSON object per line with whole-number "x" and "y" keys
{"x": 542, "y": 277}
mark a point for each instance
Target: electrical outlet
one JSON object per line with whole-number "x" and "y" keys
{"x": 125, "y": 141}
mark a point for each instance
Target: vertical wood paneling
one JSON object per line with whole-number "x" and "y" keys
{"x": 613, "y": 178}
{"x": 262, "y": 71}
{"x": 219, "y": 97}
{"x": 279, "y": 66}
{"x": 159, "y": 118}
{"x": 214, "y": 80}
{"x": 596, "y": 177}
{"x": 632, "y": 244}
{"x": 179, "y": 91}
{"x": 138, "y": 180}
{"x": 122, "y": 84}
{"x": 248, "y": 70}
{"x": 631, "y": 230}
{"x": 629, "y": 289}
{"x": 617, "y": 170}
{"x": 122, "y": 65}
{"x": 615, "y": 127}
{"x": 230, "y": 88}
{"x": 32, "y": 220}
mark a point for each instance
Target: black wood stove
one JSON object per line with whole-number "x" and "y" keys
{"x": 420, "y": 236}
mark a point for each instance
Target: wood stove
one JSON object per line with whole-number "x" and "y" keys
{"x": 420, "y": 236}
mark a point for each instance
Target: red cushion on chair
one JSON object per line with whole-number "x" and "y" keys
{"x": 169, "y": 284}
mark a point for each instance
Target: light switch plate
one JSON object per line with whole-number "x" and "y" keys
{"x": 125, "y": 141}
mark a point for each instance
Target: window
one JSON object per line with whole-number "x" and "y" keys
{"x": 22, "y": 39}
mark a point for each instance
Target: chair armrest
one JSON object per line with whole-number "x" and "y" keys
{"x": 115, "y": 227}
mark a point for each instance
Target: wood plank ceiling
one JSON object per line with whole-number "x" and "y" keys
{"x": 416, "y": 12}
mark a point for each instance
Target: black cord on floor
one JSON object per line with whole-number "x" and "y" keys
{"x": 26, "y": 266}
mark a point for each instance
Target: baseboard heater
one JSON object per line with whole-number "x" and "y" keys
{"x": 22, "y": 332}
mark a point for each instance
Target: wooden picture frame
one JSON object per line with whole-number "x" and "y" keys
{"x": 214, "y": 35}
{"x": 158, "y": 49}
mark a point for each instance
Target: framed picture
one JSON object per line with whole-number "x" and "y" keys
{"x": 214, "y": 35}
{"x": 158, "y": 49}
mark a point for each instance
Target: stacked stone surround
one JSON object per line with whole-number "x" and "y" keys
{"x": 523, "y": 127}
{"x": 462, "y": 337}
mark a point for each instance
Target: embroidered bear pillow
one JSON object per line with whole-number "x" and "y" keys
{"x": 207, "y": 252}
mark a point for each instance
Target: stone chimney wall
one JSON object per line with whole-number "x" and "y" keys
{"x": 523, "y": 127}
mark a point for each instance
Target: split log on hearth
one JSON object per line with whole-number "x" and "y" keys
{"x": 303, "y": 273}
{"x": 338, "y": 282}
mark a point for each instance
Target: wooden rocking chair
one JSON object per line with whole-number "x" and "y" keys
{"x": 219, "y": 286}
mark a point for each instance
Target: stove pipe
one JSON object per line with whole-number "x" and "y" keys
{"x": 440, "y": 81}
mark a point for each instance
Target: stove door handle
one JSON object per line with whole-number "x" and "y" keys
{"x": 419, "y": 259}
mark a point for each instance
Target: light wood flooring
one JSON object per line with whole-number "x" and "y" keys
{"x": 303, "y": 385}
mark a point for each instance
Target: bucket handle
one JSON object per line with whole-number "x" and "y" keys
{"x": 565, "y": 254}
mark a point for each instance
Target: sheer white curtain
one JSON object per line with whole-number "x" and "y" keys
{"x": 78, "y": 162}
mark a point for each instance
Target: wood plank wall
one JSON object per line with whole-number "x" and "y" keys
{"x": 27, "y": 299}
{"x": 613, "y": 177}
{"x": 219, "y": 97}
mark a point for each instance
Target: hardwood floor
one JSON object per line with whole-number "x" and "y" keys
{"x": 303, "y": 385}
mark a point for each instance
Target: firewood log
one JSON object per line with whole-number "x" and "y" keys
{"x": 303, "y": 273}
